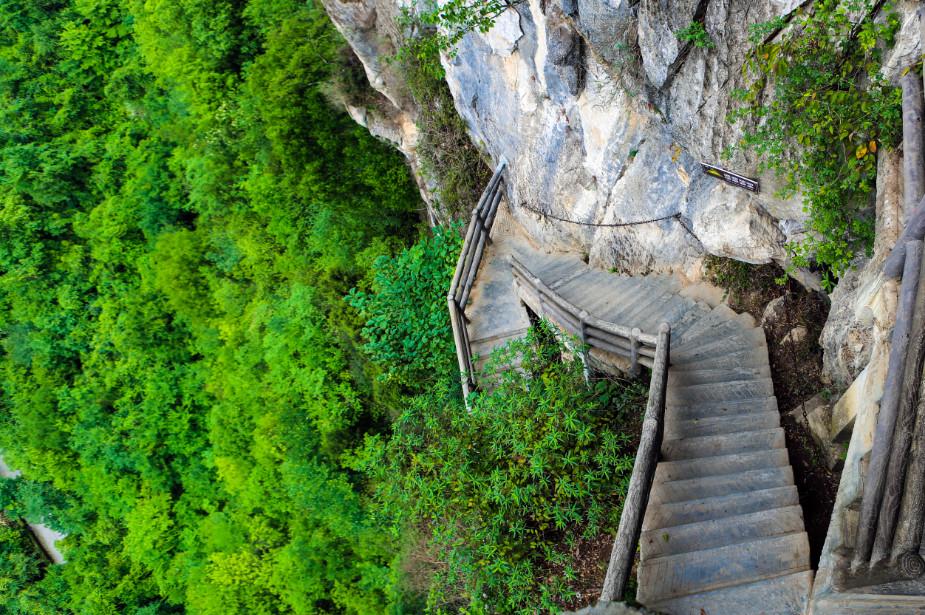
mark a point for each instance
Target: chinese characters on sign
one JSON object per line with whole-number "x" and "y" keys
{"x": 731, "y": 178}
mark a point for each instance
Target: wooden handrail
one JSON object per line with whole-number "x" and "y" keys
{"x": 637, "y": 496}
{"x": 889, "y": 405}
{"x": 467, "y": 267}
{"x": 888, "y": 536}
{"x": 641, "y": 348}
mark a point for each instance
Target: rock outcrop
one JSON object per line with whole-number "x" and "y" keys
{"x": 604, "y": 116}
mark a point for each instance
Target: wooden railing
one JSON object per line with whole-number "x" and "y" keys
{"x": 639, "y": 348}
{"x": 888, "y": 540}
{"x": 890, "y": 522}
{"x": 477, "y": 237}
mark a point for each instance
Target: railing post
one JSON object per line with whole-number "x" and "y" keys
{"x": 459, "y": 340}
{"x": 583, "y": 334}
{"x": 900, "y": 443}
{"x": 634, "y": 352}
{"x": 537, "y": 284}
{"x": 637, "y": 496}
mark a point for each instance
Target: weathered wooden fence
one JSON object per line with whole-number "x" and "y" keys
{"x": 639, "y": 348}
{"x": 888, "y": 539}
{"x": 467, "y": 267}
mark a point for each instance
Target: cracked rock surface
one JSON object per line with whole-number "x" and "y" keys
{"x": 604, "y": 117}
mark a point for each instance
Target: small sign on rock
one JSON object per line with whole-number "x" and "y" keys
{"x": 731, "y": 178}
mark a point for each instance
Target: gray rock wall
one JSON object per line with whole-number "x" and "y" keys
{"x": 604, "y": 115}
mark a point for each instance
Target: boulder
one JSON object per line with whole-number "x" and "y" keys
{"x": 794, "y": 336}
{"x": 774, "y": 311}
{"x": 816, "y": 416}
{"x": 732, "y": 224}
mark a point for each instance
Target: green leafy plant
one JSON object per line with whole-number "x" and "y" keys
{"x": 407, "y": 324}
{"x": 507, "y": 491}
{"x": 820, "y": 110}
{"x": 696, "y": 35}
{"x": 439, "y": 26}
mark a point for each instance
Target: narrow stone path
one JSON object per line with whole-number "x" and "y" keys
{"x": 723, "y": 531}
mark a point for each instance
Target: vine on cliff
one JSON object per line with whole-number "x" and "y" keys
{"x": 823, "y": 118}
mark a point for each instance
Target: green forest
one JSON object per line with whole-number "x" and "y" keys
{"x": 209, "y": 381}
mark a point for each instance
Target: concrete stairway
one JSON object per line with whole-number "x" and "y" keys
{"x": 723, "y": 531}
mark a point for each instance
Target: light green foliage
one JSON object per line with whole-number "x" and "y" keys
{"x": 181, "y": 213}
{"x": 407, "y": 327}
{"x": 540, "y": 463}
{"x": 696, "y": 35}
{"x": 446, "y": 23}
{"x": 819, "y": 127}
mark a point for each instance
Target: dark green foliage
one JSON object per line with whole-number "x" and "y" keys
{"x": 696, "y": 35}
{"x": 181, "y": 213}
{"x": 22, "y": 568}
{"x": 407, "y": 326}
{"x": 828, "y": 113}
{"x": 507, "y": 491}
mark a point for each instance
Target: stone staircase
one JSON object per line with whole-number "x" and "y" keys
{"x": 723, "y": 531}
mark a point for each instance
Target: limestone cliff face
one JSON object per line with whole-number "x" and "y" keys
{"x": 604, "y": 116}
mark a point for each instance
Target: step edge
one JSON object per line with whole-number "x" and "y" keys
{"x": 789, "y": 488}
{"x": 733, "y": 543}
{"x": 654, "y": 605}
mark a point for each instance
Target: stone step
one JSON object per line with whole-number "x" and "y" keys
{"x": 597, "y": 284}
{"x": 713, "y": 466}
{"x": 719, "y": 330}
{"x": 720, "y": 532}
{"x": 666, "y": 280}
{"x": 675, "y": 309}
{"x": 864, "y": 604}
{"x": 704, "y": 376}
{"x": 551, "y": 267}
{"x": 699, "y": 571}
{"x": 578, "y": 276}
{"x": 548, "y": 271}
{"x": 746, "y": 320}
{"x": 690, "y": 319}
{"x": 653, "y": 302}
{"x": 692, "y": 428}
{"x": 744, "y": 357}
{"x": 485, "y": 345}
{"x": 604, "y": 296}
{"x": 721, "y": 319}
{"x": 780, "y": 595}
{"x": 720, "y": 391}
{"x": 705, "y": 409}
{"x": 693, "y": 511}
{"x": 723, "y": 444}
{"x": 723, "y": 484}
{"x": 711, "y": 346}
{"x": 618, "y": 312}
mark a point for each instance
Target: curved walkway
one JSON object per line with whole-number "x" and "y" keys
{"x": 723, "y": 530}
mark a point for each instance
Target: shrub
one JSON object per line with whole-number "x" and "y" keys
{"x": 696, "y": 35}
{"x": 448, "y": 22}
{"x": 507, "y": 491}
{"x": 820, "y": 129}
{"x": 407, "y": 327}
